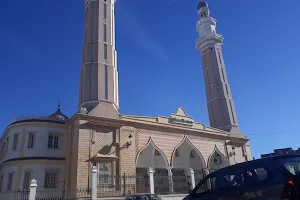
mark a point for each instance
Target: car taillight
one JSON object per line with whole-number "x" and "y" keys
{"x": 285, "y": 191}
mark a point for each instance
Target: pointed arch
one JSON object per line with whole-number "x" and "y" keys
{"x": 155, "y": 147}
{"x": 193, "y": 147}
{"x": 224, "y": 162}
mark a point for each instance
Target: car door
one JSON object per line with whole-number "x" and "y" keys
{"x": 229, "y": 185}
{"x": 257, "y": 181}
{"x": 205, "y": 190}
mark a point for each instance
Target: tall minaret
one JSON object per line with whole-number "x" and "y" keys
{"x": 221, "y": 109}
{"x": 98, "y": 91}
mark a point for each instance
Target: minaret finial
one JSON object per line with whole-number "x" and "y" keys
{"x": 58, "y": 104}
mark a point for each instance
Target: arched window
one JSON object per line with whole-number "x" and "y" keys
{"x": 192, "y": 154}
{"x": 156, "y": 152}
{"x": 177, "y": 153}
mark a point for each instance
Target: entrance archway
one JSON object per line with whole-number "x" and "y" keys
{"x": 217, "y": 160}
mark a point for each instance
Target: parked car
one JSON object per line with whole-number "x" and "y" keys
{"x": 145, "y": 196}
{"x": 271, "y": 178}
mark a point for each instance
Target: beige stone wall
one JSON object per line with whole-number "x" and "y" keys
{"x": 168, "y": 142}
{"x": 248, "y": 151}
{"x": 83, "y": 167}
{"x": 103, "y": 141}
{"x": 127, "y": 156}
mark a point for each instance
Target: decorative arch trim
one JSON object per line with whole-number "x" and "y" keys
{"x": 151, "y": 142}
{"x": 186, "y": 138}
{"x": 216, "y": 150}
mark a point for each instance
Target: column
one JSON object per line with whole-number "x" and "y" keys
{"x": 192, "y": 178}
{"x": 32, "y": 192}
{"x": 151, "y": 179}
{"x": 94, "y": 182}
{"x": 171, "y": 184}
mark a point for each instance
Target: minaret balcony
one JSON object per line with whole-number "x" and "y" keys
{"x": 205, "y": 20}
{"x": 209, "y": 38}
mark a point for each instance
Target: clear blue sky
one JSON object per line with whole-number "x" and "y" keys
{"x": 159, "y": 67}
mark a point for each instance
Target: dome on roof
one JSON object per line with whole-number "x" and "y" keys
{"x": 58, "y": 115}
{"x": 201, "y": 4}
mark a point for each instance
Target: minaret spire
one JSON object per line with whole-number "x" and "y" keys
{"x": 221, "y": 109}
{"x": 98, "y": 92}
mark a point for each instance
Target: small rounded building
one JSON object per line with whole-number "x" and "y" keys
{"x": 33, "y": 148}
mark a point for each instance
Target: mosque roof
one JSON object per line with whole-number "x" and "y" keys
{"x": 56, "y": 117}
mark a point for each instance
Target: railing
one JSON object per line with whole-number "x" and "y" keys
{"x": 15, "y": 195}
{"x": 62, "y": 194}
{"x": 121, "y": 186}
{"x": 175, "y": 184}
{"x": 104, "y": 186}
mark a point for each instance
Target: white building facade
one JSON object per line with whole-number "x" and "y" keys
{"x": 33, "y": 148}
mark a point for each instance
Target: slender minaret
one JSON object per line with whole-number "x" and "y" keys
{"x": 221, "y": 109}
{"x": 98, "y": 92}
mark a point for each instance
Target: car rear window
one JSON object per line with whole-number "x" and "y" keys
{"x": 293, "y": 166}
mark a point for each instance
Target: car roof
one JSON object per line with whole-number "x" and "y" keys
{"x": 260, "y": 161}
{"x": 138, "y": 194}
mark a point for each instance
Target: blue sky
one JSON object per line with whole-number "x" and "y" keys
{"x": 159, "y": 67}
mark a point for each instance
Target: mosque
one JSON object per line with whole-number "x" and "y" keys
{"x": 56, "y": 149}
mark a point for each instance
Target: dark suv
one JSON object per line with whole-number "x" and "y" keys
{"x": 270, "y": 178}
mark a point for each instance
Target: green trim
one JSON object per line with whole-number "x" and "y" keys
{"x": 183, "y": 121}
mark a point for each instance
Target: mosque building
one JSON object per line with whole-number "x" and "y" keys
{"x": 57, "y": 150}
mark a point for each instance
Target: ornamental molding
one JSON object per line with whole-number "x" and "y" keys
{"x": 209, "y": 39}
{"x": 205, "y": 20}
{"x": 36, "y": 118}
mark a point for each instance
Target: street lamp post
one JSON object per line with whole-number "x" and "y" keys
{"x": 128, "y": 143}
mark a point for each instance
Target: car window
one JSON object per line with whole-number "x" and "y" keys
{"x": 256, "y": 175}
{"x": 144, "y": 197}
{"x": 154, "y": 197}
{"x": 229, "y": 181}
{"x": 208, "y": 186}
{"x": 293, "y": 166}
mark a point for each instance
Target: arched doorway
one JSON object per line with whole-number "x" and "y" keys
{"x": 154, "y": 157}
{"x": 217, "y": 160}
{"x": 185, "y": 157}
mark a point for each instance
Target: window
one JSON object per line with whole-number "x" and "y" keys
{"x": 26, "y": 180}
{"x": 104, "y": 33}
{"x": 1, "y": 182}
{"x": 192, "y": 154}
{"x": 293, "y": 167}
{"x": 105, "y": 51}
{"x": 254, "y": 176}
{"x": 31, "y": 138}
{"x": 206, "y": 187}
{"x": 156, "y": 152}
{"x": 50, "y": 180}
{"x": 176, "y": 153}
{"x": 15, "y": 142}
{"x": 53, "y": 142}
{"x": 104, "y": 176}
{"x": 6, "y": 147}
{"x": 229, "y": 181}
{"x": 10, "y": 181}
{"x": 106, "y": 82}
{"x": 104, "y": 11}
{"x": 2, "y": 149}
